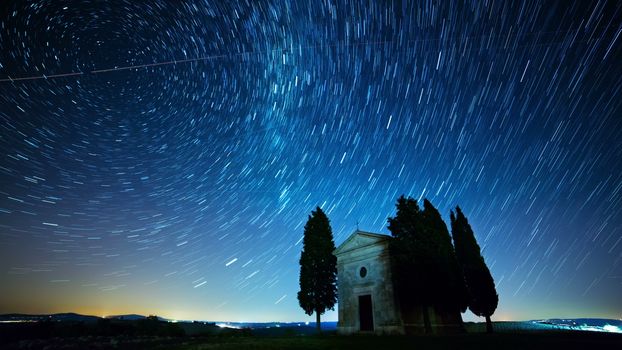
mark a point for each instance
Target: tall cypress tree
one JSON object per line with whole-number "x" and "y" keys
{"x": 425, "y": 269}
{"x": 452, "y": 294}
{"x": 412, "y": 259}
{"x": 318, "y": 267}
{"x": 483, "y": 298}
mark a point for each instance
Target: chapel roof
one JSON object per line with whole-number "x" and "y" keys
{"x": 370, "y": 237}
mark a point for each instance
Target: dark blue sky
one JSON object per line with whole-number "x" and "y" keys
{"x": 181, "y": 189}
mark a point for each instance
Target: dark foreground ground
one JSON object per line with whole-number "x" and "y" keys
{"x": 531, "y": 341}
{"x": 198, "y": 336}
{"x": 497, "y": 341}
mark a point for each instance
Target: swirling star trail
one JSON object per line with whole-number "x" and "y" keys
{"x": 162, "y": 158}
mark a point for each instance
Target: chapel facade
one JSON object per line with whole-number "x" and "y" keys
{"x": 367, "y": 301}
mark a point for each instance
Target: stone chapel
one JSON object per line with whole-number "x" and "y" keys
{"x": 367, "y": 302}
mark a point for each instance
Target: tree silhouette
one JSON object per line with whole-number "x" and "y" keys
{"x": 451, "y": 294}
{"x": 483, "y": 298}
{"x": 318, "y": 267}
{"x": 425, "y": 269}
{"x": 412, "y": 259}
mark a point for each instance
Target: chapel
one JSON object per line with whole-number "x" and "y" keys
{"x": 367, "y": 302}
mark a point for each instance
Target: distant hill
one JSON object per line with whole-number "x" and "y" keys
{"x": 583, "y": 324}
{"x": 68, "y": 316}
{"x": 128, "y": 317}
{"x": 133, "y": 317}
{"x": 553, "y": 324}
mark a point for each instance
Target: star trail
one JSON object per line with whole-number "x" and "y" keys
{"x": 162, "y": 158}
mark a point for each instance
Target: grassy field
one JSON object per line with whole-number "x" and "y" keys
{"x": 529, "y": 341}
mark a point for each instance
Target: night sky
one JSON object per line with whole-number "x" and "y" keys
{"x": 181, "y": 188}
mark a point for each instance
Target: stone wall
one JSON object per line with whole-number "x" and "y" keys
{"x": 373, "y": 256}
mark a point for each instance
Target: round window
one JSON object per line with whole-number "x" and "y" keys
{"x": 363, "y": 272}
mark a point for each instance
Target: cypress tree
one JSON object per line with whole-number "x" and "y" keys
{"x": 483, "y": 298}
{"x": 452, "y": 294}
{"x": 318, "y": 267}
{"x": 412, "y": 259}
